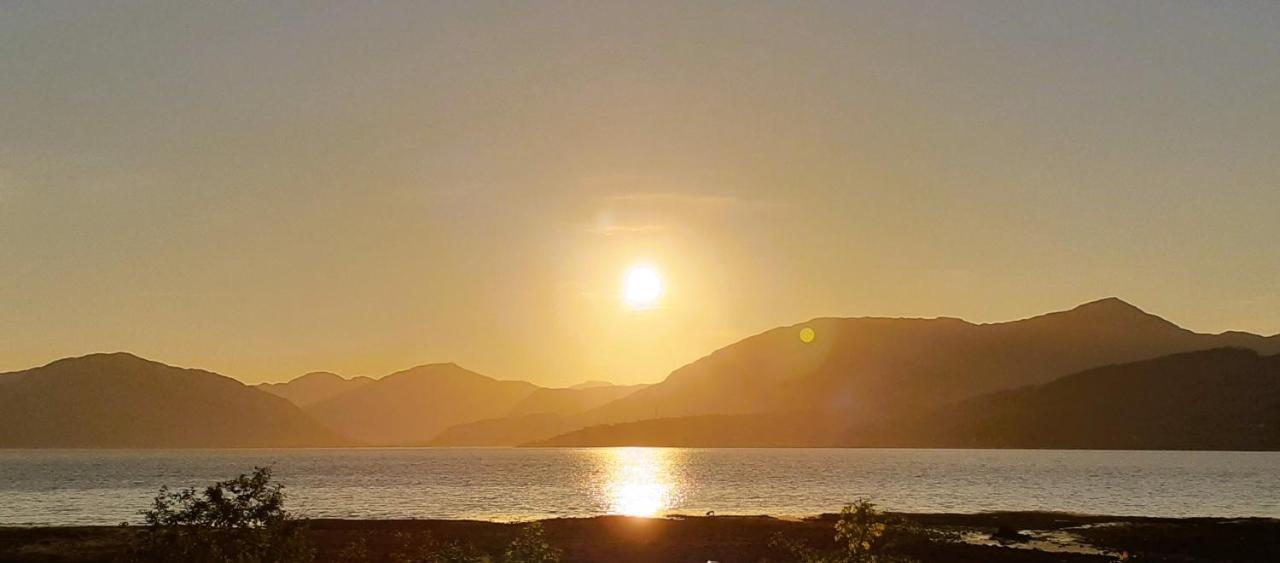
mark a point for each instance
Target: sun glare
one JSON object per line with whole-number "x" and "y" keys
{"x": 641, "y": 287}
{"x": 640, "y": 481}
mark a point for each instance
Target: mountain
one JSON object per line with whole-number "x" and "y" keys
{"x": 803, "y": 384}
{"x": 412, "y": 406}
{"x": 869, "y": 368}
{"x": 591, "y": 383}
{"x": 1221, "y": 399}
{"x": 314, "y": 387}
{"x": 543, "y": 414}
{"x": 506, "y": 431}
{"x": 770, "y": 430}
{"x": 1224, "y": 399}
{"x": 571, "y": 400}
{"x": 123, "y": 401}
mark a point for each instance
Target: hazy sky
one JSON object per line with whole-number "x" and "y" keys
{"x": 269, "y": 188}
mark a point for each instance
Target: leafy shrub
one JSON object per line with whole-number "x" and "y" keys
{"x": 424, "y": 548}
{"x": 531, "y": 546}
{"x": 241, "y": 520}
{"x": 863, "y": 535}
{"x": 355, "y": 551}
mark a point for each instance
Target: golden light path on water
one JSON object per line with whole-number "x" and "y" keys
{"x": 640, "y": 481}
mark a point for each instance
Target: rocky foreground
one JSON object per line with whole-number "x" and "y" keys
{"x": 989, "y": 537}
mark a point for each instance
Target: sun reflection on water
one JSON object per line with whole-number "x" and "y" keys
{"x": 640, "y": 481}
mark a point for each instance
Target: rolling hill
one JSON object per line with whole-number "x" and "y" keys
{"x": 412, "y": 406}
{"x": 768, "y": 430}
{"x": 1224, "y": 399}
{"x": 545, "y": 413}
{"x": 123, "y": 401}
{"x": 311, "y": 388}
{"x": 869, "y": 368}
{"x": 1221, "y": 399}
{"x": 571, "y": 400}
{"x": 868, "y": 376}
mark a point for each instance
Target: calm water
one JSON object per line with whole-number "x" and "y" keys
{"x": 108, "y": 487}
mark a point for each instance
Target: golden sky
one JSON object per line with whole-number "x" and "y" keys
{"x": 264, "y": 190}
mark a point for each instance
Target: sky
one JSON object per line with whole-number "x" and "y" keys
{"x": 266, "y": 189}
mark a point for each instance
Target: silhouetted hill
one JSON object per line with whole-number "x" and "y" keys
{"x": 772, "y": 430}
{"x": 571, "y": 400}
{"x": 505, "y": 431}
{"x": 543, "y": 414}
{"x": 123, "y": 401}
{"x": 1224, "y": 399}
{"x": 871, "y": 367}
{"x": 861, "y": 373}
{"x": 414, "y": 405}
{"x": 314, "y": 387}
{"x": 1221, "y": 399}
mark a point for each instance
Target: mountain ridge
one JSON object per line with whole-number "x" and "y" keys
{"x": 1216, "y": 399}
{"x": 867, "y": 365}
{"x": 121, "y": 400}
{"x": 844, "y": 371}
{"x": 413, "y": 405}
{"x": 313, "y": 387}
{"x": 1219, "y": 399}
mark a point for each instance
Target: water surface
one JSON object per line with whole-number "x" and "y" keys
{"x": 109, "y": 487}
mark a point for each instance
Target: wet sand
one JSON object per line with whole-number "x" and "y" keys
{"x": 986, "y": 537}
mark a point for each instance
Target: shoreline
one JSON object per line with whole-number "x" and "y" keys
{"x": 116, "y": 449}
{"x": 932, "y": 517}
{"x": 984, "y": 536}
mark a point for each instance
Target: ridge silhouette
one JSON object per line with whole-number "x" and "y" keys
{"x": 120, "y": 400}
{"x": 772, "y": 388}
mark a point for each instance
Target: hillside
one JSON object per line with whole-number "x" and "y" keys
{"x": 571, "y": 400}
{"x": 123, "y": 401}
{"x": 868, "y": 368}
{"x": 1225, "y": 399}
{"x": 311, "y": 388}
{"x": 505, "y": 431}
{"x": 413, "y": 405}
{"x": 781, "y": 430}
{"x": 867, "y": 374}
{"x": 1221, "y": 399}
{"x": 545, "y": 413}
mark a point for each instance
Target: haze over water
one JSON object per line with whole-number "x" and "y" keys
{"x": 66, "y": 487}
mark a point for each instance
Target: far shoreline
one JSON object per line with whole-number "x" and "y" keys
{"x": 598, "y": 447}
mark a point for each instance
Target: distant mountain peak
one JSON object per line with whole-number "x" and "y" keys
{"x": 107, "y": 358}
{"x": 448, "y": 370}
{"x": 1109, "y": 312}
{"x": 122, "y": 400}
{"x": 436, "y": 365}
{"x": 313, "y": 387}
{"x": 317, "y": 375}
{"x": 123, "y": 356}
{"x": 1110, "y": 305}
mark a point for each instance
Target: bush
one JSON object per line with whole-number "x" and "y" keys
{"x": 531, "y": 546}
{"x": 237, "y": 521}
{"x": 424, "y": 548}
{"x": 863, "y": 535}
{"x": 355, "y": 551}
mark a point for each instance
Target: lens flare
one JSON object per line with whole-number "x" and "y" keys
{"x": 807, "y": 335}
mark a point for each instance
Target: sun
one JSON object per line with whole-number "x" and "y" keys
{"x": 641, "y": 286}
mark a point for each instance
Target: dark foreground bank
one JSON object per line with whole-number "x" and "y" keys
{"x": 994, "y": 537}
